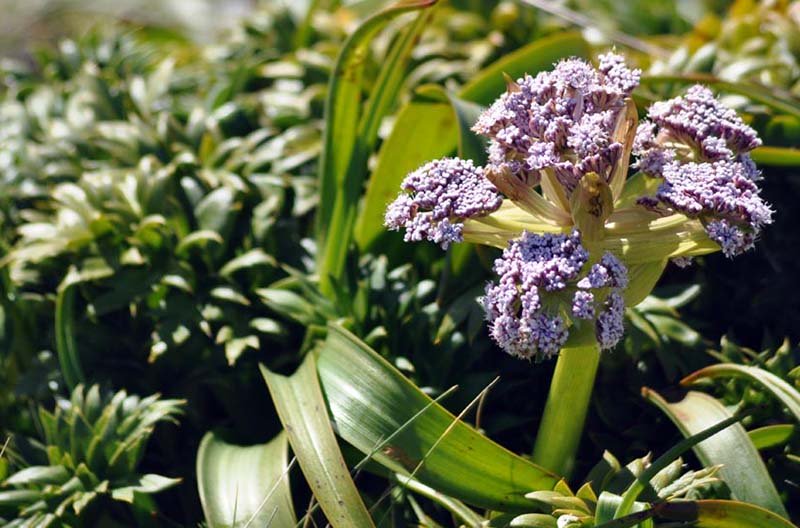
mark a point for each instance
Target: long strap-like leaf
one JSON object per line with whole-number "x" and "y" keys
{"x": 370, "y": 402}
{"x": 301, "y": 408}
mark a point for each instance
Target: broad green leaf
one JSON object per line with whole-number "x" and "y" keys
{"x": 722, "y": 514}
{"x": 301, "y": 408}
{"x": 198, "y": 238}
{"x": 742, "y": 468}
{"x": 776, "y": 156}
{"x": 470, "y": 145}
{"x": 537, "y": 56}
{"x": 607, "y": 505}
{"x": 771, "y": 436}
{"x": 253, "y": 258}
{"x": 370, "y": 403}
{"x": 245, "y": 484}
{"x": 149, "y": 483}
{"x": 782, "y": 390}
{"x": 39, "y": 475}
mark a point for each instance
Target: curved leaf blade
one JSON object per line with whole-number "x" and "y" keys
{"x": 301, "y": 408}
{"x": 722, "y": 514}
{"x": 370, "y": 402}
{"x": 776, "y": 156}
{"x": 743, "y": 469}
{"x": 244, "y": 484}
{"x": 779, "y": 388}
{"x": 342, "y": 118}
{"x": 771, "y": 436}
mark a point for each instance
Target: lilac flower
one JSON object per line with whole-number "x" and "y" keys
{"x": 732, "y": 239}
{"x": 721, "y": 189}
{"x": 700, "y": 148}
{"x": 610, "y": 326}
{"x": 693, "y": 127}
{"x": 562, "y": 120}
{"x": 723, "y": 194}
{"x": 438, "y": 197}
{"x": 609, "y": 272}
{"x": 583, "y": 305}
{"x": 523, "y": 307}
{"x": 699, "y": 120}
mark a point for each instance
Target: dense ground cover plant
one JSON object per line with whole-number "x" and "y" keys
{"x": 170, "y": 228}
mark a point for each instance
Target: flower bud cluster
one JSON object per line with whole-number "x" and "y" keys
{"x": 563, "y": 120}
{"x": 700, "y": 149}
{"x": 537, "y": 275}
{"x": 438, "y": 197}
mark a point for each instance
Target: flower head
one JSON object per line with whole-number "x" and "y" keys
{"x": 438, "y": 197}
{"x": 524, "y": 308}
{"x": 693, "y": 127}
{"x": 700, "y": 148}
{"x": 563, "y": 120}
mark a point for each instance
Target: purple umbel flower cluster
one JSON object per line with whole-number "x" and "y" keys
{"x": 700, "y": 148}
{"x": 536, "y": 272}
{"x": 438, "y": 197}
{"x": 562, "y": 120}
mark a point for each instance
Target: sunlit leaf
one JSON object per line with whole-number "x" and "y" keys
{"x": 302, "y": 410}
{"x": 245, "y": 484}
{"x": 371, "y": 402}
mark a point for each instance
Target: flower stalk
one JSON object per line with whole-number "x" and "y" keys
{"x": 560, "y": 430}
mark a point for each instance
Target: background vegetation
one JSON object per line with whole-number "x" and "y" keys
{"x": 162, "y": 186}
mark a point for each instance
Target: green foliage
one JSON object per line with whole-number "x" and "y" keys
{"x": 173, "y": 214}
{"x": 91, "y": 448}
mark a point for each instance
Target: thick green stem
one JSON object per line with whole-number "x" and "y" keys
{"x": 565, "y": 411}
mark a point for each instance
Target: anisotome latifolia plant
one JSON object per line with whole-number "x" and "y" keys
{"x": 588, "y": 208}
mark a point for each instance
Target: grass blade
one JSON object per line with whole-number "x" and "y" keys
{"x": 782, "y": 390}
{"x": 349, "y": 133}
{"x": 301, "y": 408}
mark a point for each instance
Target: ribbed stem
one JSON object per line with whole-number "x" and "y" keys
{"x": 565, "y": 411}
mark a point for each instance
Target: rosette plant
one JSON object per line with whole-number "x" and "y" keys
{"x": 588, "y": 206}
